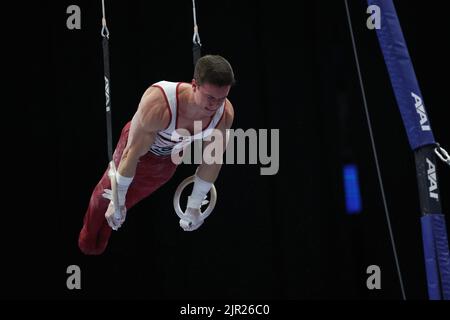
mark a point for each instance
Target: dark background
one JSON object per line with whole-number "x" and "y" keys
{"x": 285, "y": 236}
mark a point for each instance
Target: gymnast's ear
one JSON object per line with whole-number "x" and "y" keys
{"x": 194, "y": 84}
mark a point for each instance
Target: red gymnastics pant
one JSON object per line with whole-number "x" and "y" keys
{"x": 152, "y": 172}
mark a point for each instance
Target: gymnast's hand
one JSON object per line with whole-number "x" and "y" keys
{"x": 192, "y": 219}
{"x": 115, "y": 218}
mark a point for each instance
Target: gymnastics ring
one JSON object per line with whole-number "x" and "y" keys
{"x": 179, "y": 191}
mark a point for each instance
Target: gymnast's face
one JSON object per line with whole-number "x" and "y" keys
{"x": 209, "y": 97}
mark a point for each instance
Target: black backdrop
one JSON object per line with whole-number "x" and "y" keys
{"x": 285, "y": 236}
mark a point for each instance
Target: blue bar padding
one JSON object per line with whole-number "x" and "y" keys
{"x": 429, "y": 250}
{"x": 402, "y": 75}
{"x": 441, "y": 243}
{"x": 437, "y": 259}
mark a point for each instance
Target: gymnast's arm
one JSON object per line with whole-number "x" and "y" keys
{"x": 210, "y": 172}
{"x": 151, "y": 116}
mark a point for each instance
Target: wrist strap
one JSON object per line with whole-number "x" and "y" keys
{"x": 194, "y": 203}
{"x": 123, "y": 181}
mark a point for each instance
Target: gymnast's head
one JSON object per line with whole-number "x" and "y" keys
{"x": 213, "y": 78}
